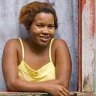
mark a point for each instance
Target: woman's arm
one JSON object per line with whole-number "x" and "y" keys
{"x": 63, "y": 63}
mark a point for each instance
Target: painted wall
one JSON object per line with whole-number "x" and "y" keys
{"x": 88, "y": 35}
{"x": 67, "y": 12}
{"x": 95, "y": 51}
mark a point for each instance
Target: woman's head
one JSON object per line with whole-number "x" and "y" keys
{"x": 29, "y": 11}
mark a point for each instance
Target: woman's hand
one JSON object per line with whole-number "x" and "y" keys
{"x": 57, "y": 90}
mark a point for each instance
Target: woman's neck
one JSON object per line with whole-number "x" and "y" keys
{"x": 35, "y": 47}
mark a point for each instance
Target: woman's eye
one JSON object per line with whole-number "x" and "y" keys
{"x": 51, "y": 26}
{"x": 40, "y": 26}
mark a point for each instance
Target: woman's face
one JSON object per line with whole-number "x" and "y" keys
{"x": 42, "y": 28}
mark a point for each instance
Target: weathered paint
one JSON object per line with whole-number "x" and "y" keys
{"x": 80, "y": 45}
{"x": 95, "y": 51}
{"x": 92, "y": 18}
{"x": 88, "y": 26}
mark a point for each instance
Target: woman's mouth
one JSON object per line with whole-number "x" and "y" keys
{"x": 45, "y": 38}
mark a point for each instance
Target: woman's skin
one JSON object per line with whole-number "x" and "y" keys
{"x": 36, "y": 55}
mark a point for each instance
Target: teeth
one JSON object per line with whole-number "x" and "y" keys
{"x": 46, "y": 37}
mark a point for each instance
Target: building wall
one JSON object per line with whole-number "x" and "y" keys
{"x": 95, "y": 50}
{"x": 88, "y": 35}
{"x": 67, "y": 12}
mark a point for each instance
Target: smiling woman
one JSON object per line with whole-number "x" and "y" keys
{"x": 40, "y": 62}
{"x": 43, "y": 23}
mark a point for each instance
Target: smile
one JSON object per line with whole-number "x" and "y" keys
{"x": 45, "y": 38}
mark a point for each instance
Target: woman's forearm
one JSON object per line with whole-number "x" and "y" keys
{"x": 52, "y": 86}
{"x": 21, "y": 85}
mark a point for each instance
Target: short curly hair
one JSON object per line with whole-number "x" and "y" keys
{"x": 29, "y": 11}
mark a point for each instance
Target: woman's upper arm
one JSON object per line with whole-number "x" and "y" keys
{"x": 63, "y": 63}
{"x": 9, "y": 61}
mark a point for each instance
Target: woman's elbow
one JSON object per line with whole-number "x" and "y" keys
{"x": 11, "y": 86}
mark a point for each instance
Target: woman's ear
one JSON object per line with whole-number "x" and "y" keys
{"x": 28, "y": 28}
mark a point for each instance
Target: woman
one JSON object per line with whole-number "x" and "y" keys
{"x": 38, "y": 63}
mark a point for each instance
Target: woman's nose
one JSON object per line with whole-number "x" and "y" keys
{"x": 45, "y": 30}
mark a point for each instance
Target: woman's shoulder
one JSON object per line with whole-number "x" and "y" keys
{"x": 59, "y": 43}
{"x": 12, "y": 43}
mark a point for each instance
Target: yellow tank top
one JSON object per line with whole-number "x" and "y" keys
{"x": 47, "y": 72}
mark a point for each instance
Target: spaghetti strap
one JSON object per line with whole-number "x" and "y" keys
{"x": 50, "y": 48}
{"x": 22, "y": 47}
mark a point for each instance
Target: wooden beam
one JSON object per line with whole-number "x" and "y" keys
{"x": 79, "y": 45}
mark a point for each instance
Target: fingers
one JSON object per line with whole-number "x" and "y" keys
{"x": 63, "y": 92}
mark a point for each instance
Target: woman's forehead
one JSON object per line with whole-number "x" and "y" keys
{"x": 44, "y": 17}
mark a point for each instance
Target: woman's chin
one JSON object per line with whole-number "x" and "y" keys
{"x": 43, "y": 43}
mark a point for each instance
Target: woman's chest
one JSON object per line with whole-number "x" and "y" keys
{"x": 36, "y": 61}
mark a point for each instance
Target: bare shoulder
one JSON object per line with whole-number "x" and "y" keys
{"x": 60, "y": 43}
{"x": 11, "y": 44}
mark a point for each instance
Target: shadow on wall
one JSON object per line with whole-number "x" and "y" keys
{"x": 22, "y": 31}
